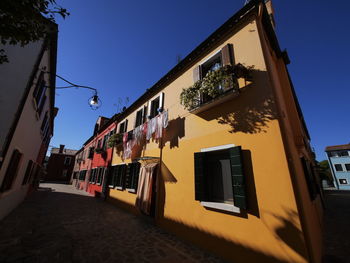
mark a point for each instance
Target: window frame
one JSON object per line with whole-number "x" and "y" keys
{"x": 117, "y": 176}
{"x": 338, "y": 165}
{"x": 347, "y": 167}
{"x": 67, "y": 158}
{"x": 211, "y": 204}
{"x": 132, "y": 176}
{"x": 11, "y": 171}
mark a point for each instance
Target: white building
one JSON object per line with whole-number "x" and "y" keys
{"x": 27, "y": 97}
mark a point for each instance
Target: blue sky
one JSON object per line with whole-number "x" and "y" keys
{"x": 122, "y": 48}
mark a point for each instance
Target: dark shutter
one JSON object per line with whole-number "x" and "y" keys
{"x": 28, "y": 172}
{"x": 126, "y": 126}
{"x": 199, "y": 176}
{"x": 227, "y": 55}
{"x": 197, "y": 73}
{"x": 136, "y": 173}
{"x": 311, "y": 184}
{"x": 11, "y": 171}
{"x": 41, "y": 106}
{"x": 128, "y": 176}
{"x": 238, "y": 180}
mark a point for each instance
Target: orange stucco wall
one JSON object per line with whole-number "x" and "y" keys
{"x": 270, "y": 229}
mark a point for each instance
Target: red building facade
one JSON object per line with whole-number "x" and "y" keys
{"x": 102, "y": 158}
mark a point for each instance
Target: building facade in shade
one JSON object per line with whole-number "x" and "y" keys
{"x": 339, "y": 163}
{"x": 102, "y": 157}
{"x": 217, "y": 151}
{"x": 60, "y": 165}
{"x": 93, "y": 157}
{"x": 28, "y": 112}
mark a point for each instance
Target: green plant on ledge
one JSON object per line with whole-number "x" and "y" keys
{"x": 213, "y": 84}
{"x": 115, "y": 139}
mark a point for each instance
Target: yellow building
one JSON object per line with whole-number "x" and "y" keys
{"x": 229, "y": 166}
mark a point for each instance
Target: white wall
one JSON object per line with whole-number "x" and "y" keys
{"x": 27, "y": 139}
{"x": 14, "y": 77}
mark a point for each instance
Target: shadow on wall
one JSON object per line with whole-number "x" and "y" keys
{"x": 251, "y": 111}
{"x": 174, "y": 132}
{"x": 228, "y": 249}
{"x": 287, "y": 231}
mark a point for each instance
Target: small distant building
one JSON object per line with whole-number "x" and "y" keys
{"x": 339, "y": 163}
{"x": 60, "y": 164}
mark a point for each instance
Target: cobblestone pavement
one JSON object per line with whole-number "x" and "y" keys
{"x": 337, "y": 227}
{"x": 61, "y": 224}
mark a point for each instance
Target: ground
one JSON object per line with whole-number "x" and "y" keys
{"x": 61, "y": 224}
{"x": 337, "y": 227}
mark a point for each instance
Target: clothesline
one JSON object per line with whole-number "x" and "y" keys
{"x": 153, "y": 127}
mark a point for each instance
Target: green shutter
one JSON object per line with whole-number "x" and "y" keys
{"x": 135, "y": 179}
{"x": 128, "y": 175}
{"x": 227, "y": 55}
{"x": 199, "y": 176}
{"x": 238, "y": 180}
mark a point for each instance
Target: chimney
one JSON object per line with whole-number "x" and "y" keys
{"x": 61, "y": 148}
{"x": 270, "y": 11}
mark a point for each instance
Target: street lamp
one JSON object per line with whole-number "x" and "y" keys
{"x": 94, "y": 101}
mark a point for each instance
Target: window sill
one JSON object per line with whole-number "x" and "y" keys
{"x": 228, "y": 95}
{"x": 130, "y": 190}
{"x": 222, "y": 206}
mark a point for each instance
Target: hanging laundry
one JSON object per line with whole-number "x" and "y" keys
{"x": 159, "y": 126}
{"x": 125, "y": 137}
{"x": 151, "y": 128}
{"x": 138, "y": 134}
{"x": 165, "y": 119}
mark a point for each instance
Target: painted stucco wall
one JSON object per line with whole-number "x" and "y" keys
{"x": 270, "y": 229}
{"x": 27, "y": 139}
{"x": 20, "y": 66}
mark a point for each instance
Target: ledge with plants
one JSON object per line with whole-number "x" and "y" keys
{"x": 215, "y": 84}
{"x": 100, "y": 150}
{"x": 115, "y": 140}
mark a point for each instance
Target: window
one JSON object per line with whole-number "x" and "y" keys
{"x": 99, "y": 143}
{"x": 82, "y": 175}
{"x": 343, "y": 181}
{"x": 105, "y": 139}
{"x": 117, "y": 176}
{"x": 67, "y": 160}
{"x": 100, "y": 173}
{"x": 44, "y": 123}
{"x": 219, "y": 178}
{"x": 156, "y": 106}
{"x": 11, "y": 171}
{"x": 41, "y": 106}
{"x": 39, "y": 90}
{"x": 347, "y": 167}
{"x": 212, "y": 64}
{"x": 91, "y": 152}
{"x": 343, "y": 153}
{"x": 132, "y": 176}
{"x": 64, "y": 173}
{"x": 309, "y": 178}
{"x": 140, "y": 117}
{"x": 28, "y": 172}
{"x": 338, "y": 167}
{"x": 222, "y": 58}
{"x": 92, "y": 179}
{"x": 123, "y": 126}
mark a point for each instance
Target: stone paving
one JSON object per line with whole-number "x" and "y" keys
{"x": 61, "y": 224}
{"x": 337, "y": 227}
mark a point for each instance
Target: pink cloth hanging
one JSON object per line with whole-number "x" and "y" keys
{"x": 144, "y": 189}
